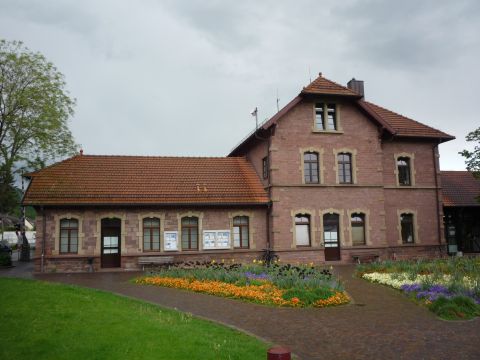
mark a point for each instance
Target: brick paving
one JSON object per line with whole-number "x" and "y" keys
{"x": 380, "y": 324}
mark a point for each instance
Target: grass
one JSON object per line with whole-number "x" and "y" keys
{"x": 40, "y": 320}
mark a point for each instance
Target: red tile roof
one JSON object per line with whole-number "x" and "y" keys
{"x": 402, "y": 125}
{"x": 460, "y": 188}
{"x": 97, "y": 179}
{"x": 395, "y": 124}
{"x": 323, "y": 86}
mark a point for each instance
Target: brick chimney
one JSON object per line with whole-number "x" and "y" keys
{"x": 357, "y": 86}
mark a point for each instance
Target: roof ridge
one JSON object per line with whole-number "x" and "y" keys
{"x": 156, "y": 156}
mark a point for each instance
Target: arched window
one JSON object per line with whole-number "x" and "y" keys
{"x": 408, "y": 231}
{"x": 68, "y": 236}
{"x": 302, "y": 229}
{"x": 403, "y": 167}
{"x": 190, "y": 233}
{"x": 151, "y": 234}
{"x": 357, "y": 222}
{"x": 310, "y": 167}
{"x": 241, "y": 232}
{"x": 344, "y": 161}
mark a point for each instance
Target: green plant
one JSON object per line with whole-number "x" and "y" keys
{"x": 458, "y": 307}
{"x": 308, "y": 296}
{"x": 5, "y": 259}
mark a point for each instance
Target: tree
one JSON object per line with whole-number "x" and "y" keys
{"x": 34, "y": 111}
{"x": 472, "y": 158}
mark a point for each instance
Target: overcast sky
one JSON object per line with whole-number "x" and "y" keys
{"x": 181, "y": 77}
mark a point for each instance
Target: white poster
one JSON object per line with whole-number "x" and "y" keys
{"x": 171, "y": 240}
{"x": 209, "y": 239}
{"x": 216, "y": 239}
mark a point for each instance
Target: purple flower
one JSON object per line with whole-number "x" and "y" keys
{"x": 252, "y": 276}
{"x": 411, "y": 287}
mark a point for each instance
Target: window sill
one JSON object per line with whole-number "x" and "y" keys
{"x": 338, "y": 132}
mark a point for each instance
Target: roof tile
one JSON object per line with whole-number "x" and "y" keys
{"x": 98, "y": 179}
{"x": 460, "y": 188}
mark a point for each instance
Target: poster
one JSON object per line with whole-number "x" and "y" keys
{"x": 216, "y": 239}
{"x": 171, "y": 240}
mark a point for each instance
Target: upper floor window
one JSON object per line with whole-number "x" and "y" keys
{"x": 310, "y": 167}
{"x": 265, "y": 167}
{"x": 151, "y": 234}
{"x": 403, "y": 167}
{"x": 344, "y": 161}
{"x": 241, "y": 232}
{"x": 302, "y": 229}
{"x": 326, "y": 116}
{"x": 190, "y": 233}
{"x": 68, "y": 236}
{"x": 407, "y": 228}
{"x": 358, "y": 228}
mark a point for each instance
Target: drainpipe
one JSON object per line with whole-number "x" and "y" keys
{"x": 44, "y": 239}
{"x": 269, "y": 183}
{"x": 439, "y": 230}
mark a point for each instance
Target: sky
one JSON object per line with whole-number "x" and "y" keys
{"x": 181, "y": 77}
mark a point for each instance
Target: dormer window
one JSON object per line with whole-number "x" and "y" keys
{"x": 326, "y": 117}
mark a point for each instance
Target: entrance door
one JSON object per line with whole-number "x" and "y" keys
{"x": 331, "y": 237}
{"x": 111, "y": 235}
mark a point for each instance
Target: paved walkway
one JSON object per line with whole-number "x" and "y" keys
{"x": 382, "y": 324}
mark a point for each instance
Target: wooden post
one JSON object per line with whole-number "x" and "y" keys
{"x": 279, "y": 353}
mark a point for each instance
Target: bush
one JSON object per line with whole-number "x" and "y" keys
{"x": 5, "y": 259}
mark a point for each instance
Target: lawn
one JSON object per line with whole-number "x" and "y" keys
{"x": 269, "y": 284}
{"x": 40, "y": 320}
{"x": 448, "y": 287}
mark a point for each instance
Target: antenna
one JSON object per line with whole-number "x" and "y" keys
{"x": 255, "y": 113}
{"x": 278, "y": 101}
{"x": 309, "y": 74}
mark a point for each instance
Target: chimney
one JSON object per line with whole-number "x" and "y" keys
{"x": 357, "y": 86}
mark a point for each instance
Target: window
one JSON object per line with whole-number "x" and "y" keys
{"x": 403, "y": 166}
{"x": 68, "y": 236}
{"x": 241, "y": 232}
{"x": 151, "y": 234}
{"x": 344, "y": 168}
{"x": 190, "y": 233}
{"x": 325, "y": 116}
{"x": 406, "y": 222}
{"x": 265, "y": 167}
{"x": 310, "y": 167}
{"x": 358, "y": 228}
{"x": 302, "y": 229}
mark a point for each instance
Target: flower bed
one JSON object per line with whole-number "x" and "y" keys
{"x": 278, "y": 285}
{"x": 450, "y": 288}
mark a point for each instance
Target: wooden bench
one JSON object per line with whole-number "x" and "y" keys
{"x": 364, "y": 256}
{"x": 154, "y": 260}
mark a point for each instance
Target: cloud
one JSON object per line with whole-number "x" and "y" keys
{"x": 180, "y": 78}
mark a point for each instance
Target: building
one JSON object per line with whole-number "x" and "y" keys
{"x": 461, "y": 201}
{"x": 330, "y": 177}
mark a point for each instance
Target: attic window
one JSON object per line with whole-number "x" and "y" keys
{"x": 326, "y": 117}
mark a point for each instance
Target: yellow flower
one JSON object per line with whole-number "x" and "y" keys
{"x": 223, "y": 260}
{"x": 254, "y": 261}
{"x": 260, "y": 262}
{"x": 213, "y": 261}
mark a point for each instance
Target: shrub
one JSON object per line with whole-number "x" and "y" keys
{"x": 5, "y": 259}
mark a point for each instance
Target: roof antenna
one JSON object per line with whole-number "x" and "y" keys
{"x": 309, "y": 74}
{"x": 278, "y": 101}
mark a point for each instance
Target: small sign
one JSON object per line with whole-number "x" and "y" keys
{"x": 171, "y": 240}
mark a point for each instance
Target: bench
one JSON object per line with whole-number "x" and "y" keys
{"x": 365, "y": 256}
{"x": 154, "y": 260}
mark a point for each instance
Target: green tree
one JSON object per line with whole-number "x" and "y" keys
{"x": 34, "y": 111}
{"x": 472, "y": 158}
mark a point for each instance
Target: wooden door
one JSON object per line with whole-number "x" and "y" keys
{"x": 331, "y": 237}
{"x": 111, "y": 243}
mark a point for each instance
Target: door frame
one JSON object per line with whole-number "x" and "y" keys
{"x": 113, "y": 228}
{"x": 333, "y": 253}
